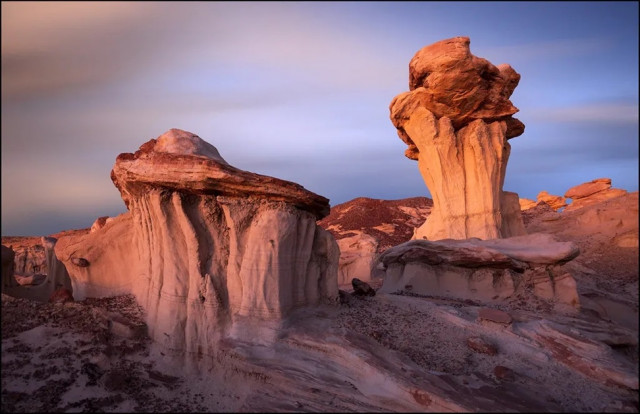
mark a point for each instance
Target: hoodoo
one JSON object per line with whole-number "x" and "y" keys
{"x": 205, "y": 245}
{"x": 456, "y": 120}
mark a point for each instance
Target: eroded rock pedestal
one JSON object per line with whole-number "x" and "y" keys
{"x": 482, "y": 270}
{"x": 456, "y": 120}
{"x": 205, "y": 245}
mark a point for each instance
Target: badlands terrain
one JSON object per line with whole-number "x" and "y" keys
{"x": 220, "y": 289}
{"x": 389, "y": 352}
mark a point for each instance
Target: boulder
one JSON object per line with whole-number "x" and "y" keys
{"x": 206, "y": 247}
{"x": 361, "y": 288}
{"x": 456, "y": 120}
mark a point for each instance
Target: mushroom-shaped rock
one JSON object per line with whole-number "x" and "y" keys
{"x": 456, "y": 120}
{"x": 206, "y": 246}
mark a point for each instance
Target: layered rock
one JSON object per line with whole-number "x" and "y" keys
{"x": 38, "y": 287}
{"x": 554, "y": 201}
{"x": 482, "y": 270}
{"x": 8, "y": 266}
{"x": 456, "y": 120}
{"x": 592, "y": 192}
{"x": 365, "y": 227}
{"x": 205, "y": 246}
{"x": 526, "y": 204}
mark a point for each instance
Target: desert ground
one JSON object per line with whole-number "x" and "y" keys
{"x": 388, "y": 352}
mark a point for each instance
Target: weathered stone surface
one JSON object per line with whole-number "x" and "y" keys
{"x": 453, "y": 83}
{"x": 365, "y": 227}
{"x": 40, "y": 288}
{"x": 361, "y": 288}
{"x": 586, "y": 189}
{"x": 526, "y": 204}
{"x": 61, "y": 295}
{"x": 194, "y": 173}
{"x": 592, "y": 358}
{"x": 481, "y": 345}
{"x": 8, "y": 265}
{"x": 494, "y": 315}
{"x": 456, "y": 121}
{"x": 357, "y": 254}
{"x": 100, "y": 223}
{"x": 593, "y": 192}
{"x": 554, "y": 201}
{"x": 206, "y": 247}
{"x": 503, "y": 373}
{"x": 482, "y": 270}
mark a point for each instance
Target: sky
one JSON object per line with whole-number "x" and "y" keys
{"x": 296, "y": 90}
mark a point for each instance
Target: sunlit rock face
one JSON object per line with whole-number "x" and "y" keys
{"x": 456, "y": 120}
{"x": 592, "y": 192}
{"x": 206, "y": 245}
{"x": 482, "y": 270}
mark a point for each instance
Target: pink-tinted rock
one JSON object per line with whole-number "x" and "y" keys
{"x": 503, "y": 373}
{"x": 8, "y": 266}
{"x": 494, "y": 315}
{"x": 61, "y": 295}
{"x": 595, "y": 198}
{"x": 586, "y": 189}
{"x": 461, "y": 86}
{"x": 456, "y": 120}
{"x": 99, "y": 223}
{"x": 195, "y": 173}
{"x": 481, "y": 345}
{"x": 554, "y": 201}
{"x": 526, "y": 204}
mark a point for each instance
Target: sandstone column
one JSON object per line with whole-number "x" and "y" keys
{"x": 456, "y": 120}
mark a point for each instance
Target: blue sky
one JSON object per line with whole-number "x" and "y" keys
{"x": 298, "y": 91}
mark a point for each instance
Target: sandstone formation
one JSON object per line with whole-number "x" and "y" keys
{"x": 591, "y": 193}
{"x": 526, "y": 204}
{"x": 456, "y": 120}
{"x": 482, "y": 270}
{"x": 554, "y": 201}
{"x": 38, "y": 287}
{"x": 8, "y": 266}
{"x": 205, "y": 247}
{"x": 607, "y": 269}
{"x": 365, "y": 227}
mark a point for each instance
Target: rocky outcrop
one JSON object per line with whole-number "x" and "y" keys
{"x": 592, "y": 192}
{"x": 36, "y": 286}
{"x": 206, "y": 247}
{"x": 554, "y": 201}
{"x": 456, "y": 120}
{"x": 526, "y": 204}
{"x": 365, "y": 227}
{"x": 481, "y": 270}
{"x": 8, "y": 266}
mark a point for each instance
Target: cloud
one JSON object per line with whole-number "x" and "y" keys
{"x": 609, "y": 113}
{"x": 561, "y": 48}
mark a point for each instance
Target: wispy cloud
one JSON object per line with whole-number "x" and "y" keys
{"x": 601, "y": 113}
{"x": 561, "y": 48}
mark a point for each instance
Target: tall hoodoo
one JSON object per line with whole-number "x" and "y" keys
{"x": 205, "y": 245}
{"x": 456, "y": 120}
